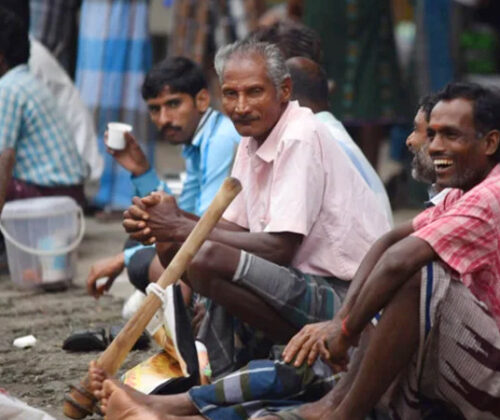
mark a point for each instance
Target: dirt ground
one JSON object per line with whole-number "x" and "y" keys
{"x": 40, "y": 376}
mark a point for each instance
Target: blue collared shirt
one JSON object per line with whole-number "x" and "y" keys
{"x": 31, "y": 123}
{"x": 208, "y": 158}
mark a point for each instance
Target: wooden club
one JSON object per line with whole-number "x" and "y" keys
{"x": 80, "y": 401}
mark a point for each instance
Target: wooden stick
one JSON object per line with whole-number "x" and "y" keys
{"x": 80, "y": 402}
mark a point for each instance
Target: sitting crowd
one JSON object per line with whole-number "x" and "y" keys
{"x": 316, "y": 307}
{"x": 305, "y": 257}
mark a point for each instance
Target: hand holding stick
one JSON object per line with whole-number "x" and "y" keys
{"x": 80, "y": 402}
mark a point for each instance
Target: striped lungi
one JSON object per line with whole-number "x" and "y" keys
{"x": 457, "y": 367}
{"x": 262, "y": 387}
{"x": 114, "y": 54}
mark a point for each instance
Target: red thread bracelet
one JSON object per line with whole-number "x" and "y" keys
{"x": 344, "y": 329}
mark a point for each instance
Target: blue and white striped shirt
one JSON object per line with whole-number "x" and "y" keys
{"x": 30, "y": 122}
{"x": 209, "y": 158}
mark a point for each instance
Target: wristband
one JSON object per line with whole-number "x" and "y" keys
{"x": 345, "y": 331}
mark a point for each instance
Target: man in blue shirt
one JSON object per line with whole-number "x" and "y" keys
{"x": 176, "y": 93}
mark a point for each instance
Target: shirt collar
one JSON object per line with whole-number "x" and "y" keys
{"x": 436, "y": 197}
{"x": 198, "y": 133}
{"x": 267, "y": 151}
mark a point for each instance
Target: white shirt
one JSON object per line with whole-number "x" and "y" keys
{"x": 45, "y": 67}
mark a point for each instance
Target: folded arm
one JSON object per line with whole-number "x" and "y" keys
{"x": 397, "y": 266}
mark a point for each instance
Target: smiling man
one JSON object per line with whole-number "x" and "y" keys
{"x": 422, "y": 166}
{"x": 290, "y": 242}
{"x": 437, "y": 281}
{"x": 176, "y": 94}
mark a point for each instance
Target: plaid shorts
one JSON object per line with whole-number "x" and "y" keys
{"x": 298, "y": 297}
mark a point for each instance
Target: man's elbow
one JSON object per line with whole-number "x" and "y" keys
{"x": 406, "y": 257}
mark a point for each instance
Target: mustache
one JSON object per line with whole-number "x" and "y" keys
{"x": 170, "y": 127}
{"x": 244, "y": 119}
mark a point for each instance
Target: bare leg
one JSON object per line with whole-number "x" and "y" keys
{"x": 119, "y": 403}
{"x": 155, "y": 269}
{"x": 211, "y": 273}
{"x": 179, "y": 404}
{"x": 391, "y": 348}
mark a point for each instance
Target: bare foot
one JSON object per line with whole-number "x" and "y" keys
{"x": 118, "y": 404}
{"x": 177, "y": 405}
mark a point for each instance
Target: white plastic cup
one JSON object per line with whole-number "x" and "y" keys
{"x": 116, "y": 135}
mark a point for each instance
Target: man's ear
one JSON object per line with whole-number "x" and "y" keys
{"x": 202, "y": 100}
{"x": 492, "y": 142}
{"x": 286, "y": 89}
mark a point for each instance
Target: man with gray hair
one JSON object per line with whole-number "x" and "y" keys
{"x": 292, "y": 240}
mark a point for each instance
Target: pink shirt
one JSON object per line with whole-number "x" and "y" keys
{"x": 300, "y": 180}
{"x": 464, "y": 230}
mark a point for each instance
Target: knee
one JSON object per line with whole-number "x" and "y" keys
{"x": 201, "y": 272}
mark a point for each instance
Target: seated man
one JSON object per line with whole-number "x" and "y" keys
{"x": 453, "y": 332}
{"x": 179, "y": 106}
{"x": 422, "y": 167}
{"x": 46, "y": 161}
{"x": 437, "y": 280}
{"x": 310, "y": 88}
{"x": 292, "y": 240}
{"x": 45, "y": 67}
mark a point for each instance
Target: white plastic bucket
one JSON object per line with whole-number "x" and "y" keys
{"x": 41, "y": 236}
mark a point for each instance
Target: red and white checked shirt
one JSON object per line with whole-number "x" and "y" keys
{"x": 464, "y": 230}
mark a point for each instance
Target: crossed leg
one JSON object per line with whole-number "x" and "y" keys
{"x": 210, "y": 274}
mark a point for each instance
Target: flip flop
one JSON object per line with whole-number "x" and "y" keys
{"x": 86, "y": 340}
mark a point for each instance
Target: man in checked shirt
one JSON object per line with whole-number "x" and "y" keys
{"x": 437, "y": 280}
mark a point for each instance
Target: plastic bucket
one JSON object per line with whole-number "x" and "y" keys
{"x": 41, "y": 236}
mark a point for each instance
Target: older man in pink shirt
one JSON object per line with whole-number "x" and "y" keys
{"x": 292, "y": 240}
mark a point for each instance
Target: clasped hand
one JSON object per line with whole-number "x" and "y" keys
{"x": 155, "y": 218}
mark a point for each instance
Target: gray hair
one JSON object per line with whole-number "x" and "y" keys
{"x": 275, "y": 62}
